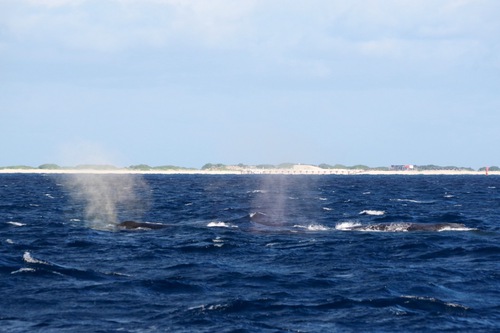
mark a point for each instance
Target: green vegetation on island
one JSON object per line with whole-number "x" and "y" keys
{"x": 492, "y": 168}
{"x": 49, "y": 166}
{"x": 18, "y": 167}
{"x": 437, "y": 167}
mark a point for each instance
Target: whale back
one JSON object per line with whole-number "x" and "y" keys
{"x": 140, "y": 225}
{"x": 407, "y": 226}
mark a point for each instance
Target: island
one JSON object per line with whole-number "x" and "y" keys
{"x": 262, "y": 169}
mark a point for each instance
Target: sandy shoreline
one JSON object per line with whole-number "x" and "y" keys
{"x": 297, "y": 170}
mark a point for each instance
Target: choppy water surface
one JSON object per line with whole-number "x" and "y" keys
{"x": 250, "y": 253}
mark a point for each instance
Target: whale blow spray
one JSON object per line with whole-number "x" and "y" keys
{"x": 106, "y": 197}
{"x": 269, "y": 204}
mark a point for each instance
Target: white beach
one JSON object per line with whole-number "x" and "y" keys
{"x": 235, "y": 170}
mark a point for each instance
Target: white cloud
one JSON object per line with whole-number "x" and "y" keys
{"x": 215, "y": 20}
{"x": 122, "y": 24}
{"x": 54, "y": 3}
{"x": 307, "y": 36}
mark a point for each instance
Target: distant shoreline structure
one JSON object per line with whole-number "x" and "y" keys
{"x": 220, "y": 169}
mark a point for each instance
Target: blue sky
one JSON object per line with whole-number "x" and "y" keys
{"x": 187, "y": 82}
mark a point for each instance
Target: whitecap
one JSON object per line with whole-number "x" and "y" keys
{"x": 208, "y": 307}
{"x": 372, "y": 212}
{"x": 413, "y": 201}
{"x": 218, "y": 242}
{"x": 312, "y": 227}
{"x": 220, "y": 224}
{"x": 17, "y": 224}
{"x": 9, "y": 241}
{"x": 22, "y": 270}
{"x": 323, "y": 199}
{"x": 347, "y": 225}
{"x": 257, "y": 191}
{"x": 456, "y": 229}
{"x": 29, "y": 259}
{"x": 327, "y": 209}
{"x": 197, "y": 307}
{"x": 317, "y": 227}
{"x": 256, "y": 214}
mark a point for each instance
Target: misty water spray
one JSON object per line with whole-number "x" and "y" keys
{"x": 107, "y": 198}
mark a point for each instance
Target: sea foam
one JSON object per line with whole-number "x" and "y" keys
{"x": 346, "y": 225}
{"x": 372, "y": 212}
{"x": 220, "y": 224}
{"x": 17, "y": 224}
{"x": 29, "y": 259}
{"x": 312, "y": 227}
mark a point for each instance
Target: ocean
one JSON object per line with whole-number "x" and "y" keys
{"x": 249, "y": 253}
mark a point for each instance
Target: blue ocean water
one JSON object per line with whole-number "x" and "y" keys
{"x": 249, "y": 253}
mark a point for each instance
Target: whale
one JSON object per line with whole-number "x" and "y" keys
{"x": 131, "y": 225}
{"x": 407, "y": 226}
{"x": 261, "y": 218}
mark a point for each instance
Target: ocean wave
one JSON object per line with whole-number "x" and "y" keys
{"x": 312, "y": 227}
{"x": 16, "y": 224}
{"x": 347, "y": 225}
{"x": 414, "y": 201}
{"x": 24, "y": 270}
{"x": 220, "y": 224}
{"x": 300, "y": 265}
{"x": 29, "y": 259}
{"x": 174, "y": 286}
{"x": 48, "y": 268}
{"x": 464, "y": 228}
{"x": 257, "y": 191}
{"x": 372, "y": 212}
{"x": 218, "y": 242}
{"x": 425, "y": 302}
{"x": 406, "y": 303}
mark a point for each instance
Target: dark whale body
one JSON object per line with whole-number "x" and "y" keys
{"x": 407, "y": 226}
{"x": 140, "y": 225}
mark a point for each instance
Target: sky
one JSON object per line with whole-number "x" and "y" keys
{"x": 189, "y": 82}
